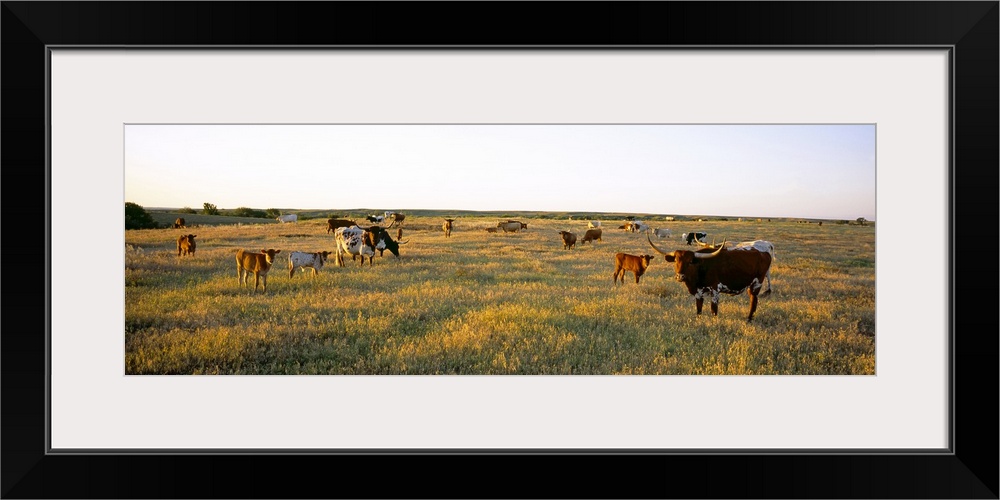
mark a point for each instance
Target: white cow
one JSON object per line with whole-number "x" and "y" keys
{"x": 640, "y": 227}
{"x": 594, "y": 224}
{"x": 287, "y": 218}
{"x": 662, "y": 232}
{"x": 302, "y": 260}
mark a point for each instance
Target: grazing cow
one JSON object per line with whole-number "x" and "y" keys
{"x": 689, "y": 237}
{"x": 639, "y": 227}
{"x": 333, "y": 224}
{"x": 635, "y": 263}
{"x": 446, "y": 227}
{"x": 569, "y": 239}
{"x": 287, "y": 218}
{"x": 302, "y": 260}
{"x": 725, "y": 269}
{"x": 592, "y": 235}
{"x": 257, "y": 263}
{"x": 352, "y": 240}
{"x": 377, "y": 219}
{"x": 381, "y": 240}
{"x": 395, "y": 218}
{"x": 662, "y": 232}
{"x": 185, "y": 245}
{"x": 179, "y": 223}
{"x": 491, "y": 230}
{"x": 593, "y": 224}
{"x": 510, "y": 226}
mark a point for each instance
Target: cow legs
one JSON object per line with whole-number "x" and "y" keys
{"x": 698, "y": 302}
{"x": 256, "y": 281}
{"x": 636, "y": 276}
{"x": 753, "y": 305}
{"x": 715, "y": 303}
{"x": 614, "y": 277}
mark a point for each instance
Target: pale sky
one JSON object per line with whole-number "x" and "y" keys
{"x": 809, "y": 171}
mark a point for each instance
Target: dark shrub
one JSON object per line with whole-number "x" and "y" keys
{"x": 137, "y": 217}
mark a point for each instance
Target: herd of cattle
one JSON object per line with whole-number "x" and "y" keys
{"x": 729, "y": 268}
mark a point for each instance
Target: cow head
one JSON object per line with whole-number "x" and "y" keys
{"x": 685, "y": 261}
{"x": 269, "y": 254}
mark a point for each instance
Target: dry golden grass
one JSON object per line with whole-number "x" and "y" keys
{"x": 481, "y": 303}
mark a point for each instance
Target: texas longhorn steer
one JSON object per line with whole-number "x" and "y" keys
{"x": 729, "y": 270}
{"x": 569, "y": 239}
{"x": 257, "y": 263}
{"x": 446, "y": 227}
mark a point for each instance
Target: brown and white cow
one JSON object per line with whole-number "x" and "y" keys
{"x": 569, "y": 239}
{"x": 635, "y": 263}
{"x": 333, "y": 224}
{"x": 185, "y": 244}
{"x": 302, "y": 260}
{"x": 257, "y": 263}
{"x": 446, "y": 227}
{"x": 725, "y": 269}
{"x": 354, "y": 241}
{"x": 179, "y": 223}
{"x": 592, "y": 235}
{"x": 380, "y": 238}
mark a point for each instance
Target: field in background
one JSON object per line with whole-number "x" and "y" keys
{"x": 480, "y": 303}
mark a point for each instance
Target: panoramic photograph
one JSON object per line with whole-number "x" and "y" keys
{"x": 460, "y": 249}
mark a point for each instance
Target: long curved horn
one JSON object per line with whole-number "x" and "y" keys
{"x": 654, "y": 246}
{"x": 713, "y": 254}
{"x": 404, "y": 242}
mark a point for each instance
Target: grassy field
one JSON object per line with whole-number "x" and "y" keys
{"x": 480, "y": 303}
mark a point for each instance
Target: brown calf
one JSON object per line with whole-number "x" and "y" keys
{"x": 257, "y": 263}
{"x": 446, "y": 227}
{"x": 635, "y": 263}
{"x": 185, "y": 245}
{"x": 179, "y": 223}
{"x": 569, "y": 239}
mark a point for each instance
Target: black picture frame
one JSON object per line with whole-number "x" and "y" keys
{"x": 969, "y": 28}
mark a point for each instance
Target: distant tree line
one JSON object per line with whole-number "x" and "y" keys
{"x": 210, "y": 209}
